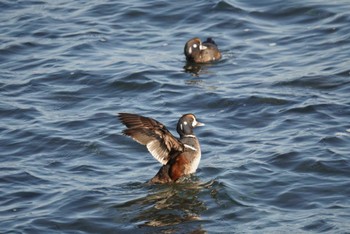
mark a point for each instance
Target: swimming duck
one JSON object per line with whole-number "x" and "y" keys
{"x": 199, "y": 52}
{"x": 179, "y": 156}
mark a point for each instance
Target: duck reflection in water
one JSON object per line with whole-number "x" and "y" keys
{"x": 196, "y": 69}
{"x": 174, "y": 208}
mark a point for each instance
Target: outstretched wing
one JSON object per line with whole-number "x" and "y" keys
{"x": 151, "y": 133}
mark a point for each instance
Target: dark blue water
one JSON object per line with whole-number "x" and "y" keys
{"x": 275, "y": 148}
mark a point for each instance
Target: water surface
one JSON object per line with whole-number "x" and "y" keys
{"x": 275, "y": 148}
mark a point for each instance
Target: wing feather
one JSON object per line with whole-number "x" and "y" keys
{"x": 153, "y": 134}
{"x": 158, "y": 151}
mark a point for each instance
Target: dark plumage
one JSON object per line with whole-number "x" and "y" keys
{"x": 179, "y": 156}
{"x": 198, "y": 52}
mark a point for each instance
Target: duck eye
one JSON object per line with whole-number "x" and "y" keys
{"x": 195, "y": 45}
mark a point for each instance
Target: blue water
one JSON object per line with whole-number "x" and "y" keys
{"x": 275, "y": 148}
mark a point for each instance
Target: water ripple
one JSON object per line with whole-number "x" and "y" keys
{"x": 276, "y": 109}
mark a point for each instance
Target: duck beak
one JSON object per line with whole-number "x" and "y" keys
{"x": 195, "y": 123}
{"x": 202, "y": 47}
{"x": 199, "y": 124}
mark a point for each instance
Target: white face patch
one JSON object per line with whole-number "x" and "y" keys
{"x": 194, "y": 123}
{"x": 195, "y": 45}
{"x": 181, "y": 127}
{"x": 190, "y": 50}
{"x": 185, "y": 123}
